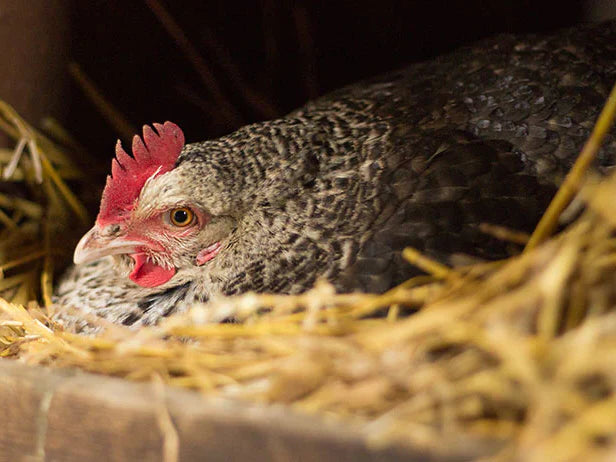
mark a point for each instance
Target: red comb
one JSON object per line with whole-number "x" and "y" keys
{"x": 154, "y": 155}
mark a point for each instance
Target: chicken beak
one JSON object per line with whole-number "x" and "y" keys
{"x": 94, "y": 246}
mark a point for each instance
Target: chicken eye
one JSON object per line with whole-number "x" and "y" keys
{"x": 181, "y": 217}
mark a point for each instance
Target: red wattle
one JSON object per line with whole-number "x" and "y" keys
{"x": 148, "y": 274}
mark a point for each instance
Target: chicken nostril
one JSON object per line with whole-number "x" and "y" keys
{"x": 112, "y": 230}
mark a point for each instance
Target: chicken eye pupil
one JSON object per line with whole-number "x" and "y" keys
{"x": 181, "y": 217}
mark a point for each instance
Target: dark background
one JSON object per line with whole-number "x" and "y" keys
{"x": 283, "y": 52}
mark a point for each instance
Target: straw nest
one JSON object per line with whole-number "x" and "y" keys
{"x": 514, "y": 359}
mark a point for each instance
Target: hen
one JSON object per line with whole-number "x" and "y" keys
{"x": 336, "y": 189}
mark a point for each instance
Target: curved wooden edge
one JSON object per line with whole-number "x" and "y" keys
{"x": 73, "y": 416}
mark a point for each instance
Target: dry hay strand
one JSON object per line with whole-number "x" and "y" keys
{"x": 509, "y": 360}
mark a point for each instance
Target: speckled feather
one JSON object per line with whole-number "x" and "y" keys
{"x": 418, "y": 157}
